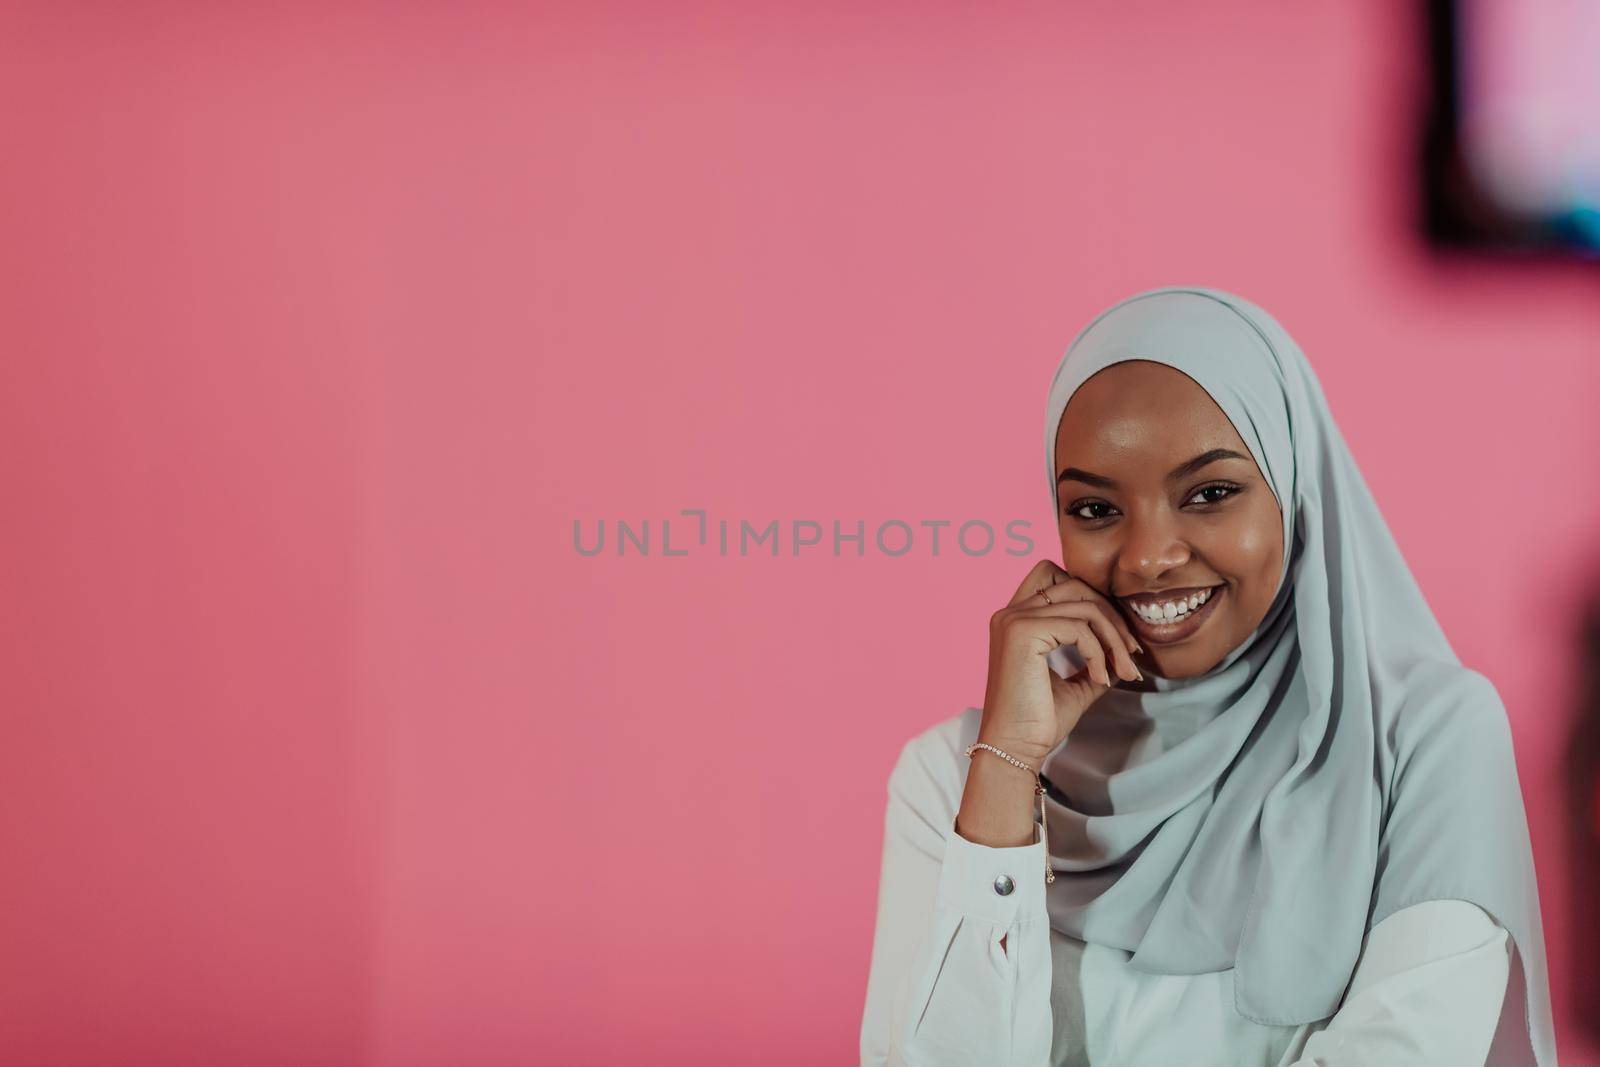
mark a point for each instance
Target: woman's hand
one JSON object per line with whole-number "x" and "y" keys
{"x": 1027, "y": 708}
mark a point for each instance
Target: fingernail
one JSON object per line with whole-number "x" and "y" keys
{"x": 1140, "y": 673}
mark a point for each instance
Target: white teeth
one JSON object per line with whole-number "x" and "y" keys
{"x": 1160, "y": 613}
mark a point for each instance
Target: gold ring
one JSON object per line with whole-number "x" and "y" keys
{"x": 1047, "y": 599}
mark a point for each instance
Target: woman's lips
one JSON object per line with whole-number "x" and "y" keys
{"x": 1179, "y": 629}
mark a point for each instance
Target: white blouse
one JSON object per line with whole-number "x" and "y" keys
{"x": 1427, "y": 990}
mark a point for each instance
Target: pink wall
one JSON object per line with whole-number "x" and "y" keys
{"x": 323, "y": 745}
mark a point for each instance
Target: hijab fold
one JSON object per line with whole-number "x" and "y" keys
{"x": 1342, "y": 762}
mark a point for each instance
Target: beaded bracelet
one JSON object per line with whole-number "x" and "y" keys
{"x": 1038, "y": 791}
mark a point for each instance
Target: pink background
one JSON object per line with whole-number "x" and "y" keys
{"x": 322, "y": 743}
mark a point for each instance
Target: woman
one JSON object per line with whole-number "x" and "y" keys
{"x": 1281, "y": 823}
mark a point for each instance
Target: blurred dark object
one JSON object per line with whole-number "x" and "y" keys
{"x": 1583, "y": 807}
{"x": 1510, "y": 147}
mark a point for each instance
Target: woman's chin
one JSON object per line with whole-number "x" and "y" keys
{"x": 1176, "y": 665}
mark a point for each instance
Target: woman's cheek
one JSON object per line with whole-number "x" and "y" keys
{"x": 1249, "y": 549}
{"x": 1081, "y": 560}
{"x": 1255, "y": 549}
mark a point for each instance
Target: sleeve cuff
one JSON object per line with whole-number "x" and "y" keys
{"x": 974, "y": 876}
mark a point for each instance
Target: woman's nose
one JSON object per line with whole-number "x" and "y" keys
{"x": 1152, "y": 548}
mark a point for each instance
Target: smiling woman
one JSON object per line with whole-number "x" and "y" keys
{"x": 1279, "y": 822}
{"x": 1181, "y": 529}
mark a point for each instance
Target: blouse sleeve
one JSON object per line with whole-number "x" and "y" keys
{"x": 1427, "y": 992}
{"x": 943, "y": 988}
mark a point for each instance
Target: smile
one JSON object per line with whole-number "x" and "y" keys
{"x": 1164, "y": 621}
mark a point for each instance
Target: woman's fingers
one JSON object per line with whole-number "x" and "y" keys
{"x": 1053, "y": 630}
{"x": 1058, "y": 585}
{"x": 1078, "y": 589}
{"x": 1095, "y": 617}
{"x": 1061, "y": 588}
{"x": 1044, "y": 574}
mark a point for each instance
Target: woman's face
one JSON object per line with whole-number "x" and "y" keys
{"x": 1153, "y": 511}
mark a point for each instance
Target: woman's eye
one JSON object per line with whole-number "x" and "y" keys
{"x": 1079, "y": 509}
{"x": 1224, "y": 489}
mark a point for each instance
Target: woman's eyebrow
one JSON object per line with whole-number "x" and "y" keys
{"x": 1182, "y": 470}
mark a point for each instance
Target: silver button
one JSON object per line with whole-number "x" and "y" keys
{"x": 1004, "y": 885}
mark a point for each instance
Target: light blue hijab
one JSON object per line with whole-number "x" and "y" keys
{"x": 1342, "y": 763}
